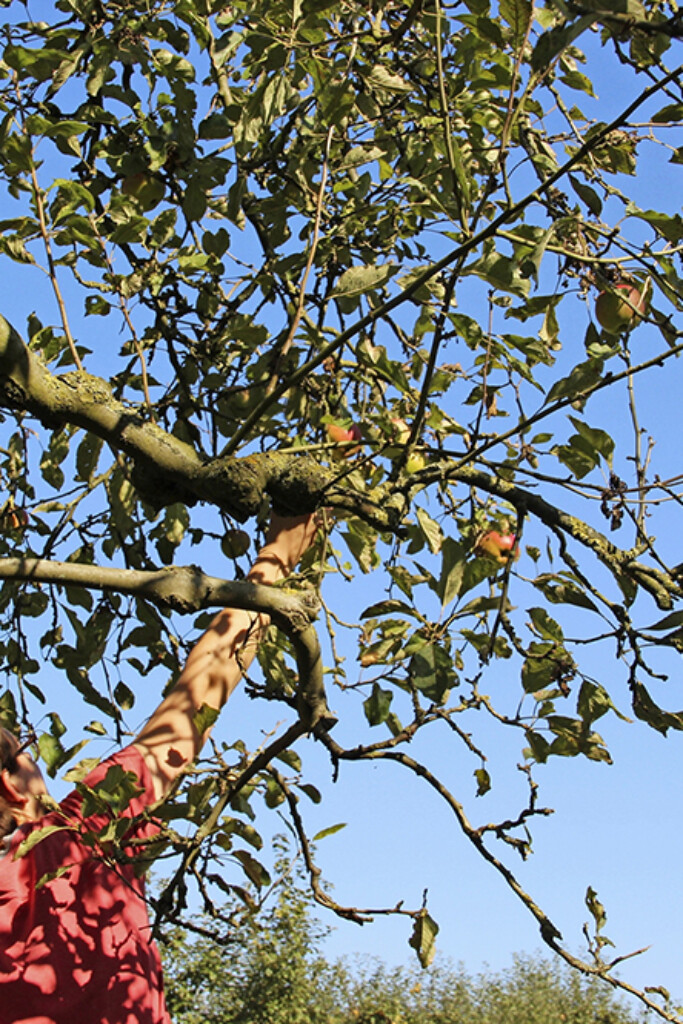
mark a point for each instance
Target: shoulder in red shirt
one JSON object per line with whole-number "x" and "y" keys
{"x": 78, "y": 947}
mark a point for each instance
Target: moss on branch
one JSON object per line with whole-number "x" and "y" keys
{"x": 166, "y": 469}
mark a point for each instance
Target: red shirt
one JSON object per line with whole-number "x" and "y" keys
{"x": 78, "y": 949}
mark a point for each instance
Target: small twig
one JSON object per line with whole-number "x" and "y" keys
{"x": 123, "y": 306}
{"x": 509, "y": 117}
{"x": 359, "y": 916}
{"x": 44, "y": 231}
{"x": 301, "y": 300}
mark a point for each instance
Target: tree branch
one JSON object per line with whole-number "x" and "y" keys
{"x": 662, "y": 586}
{"x": 187, "y": 589}
{"x": 549, "y": 932}
{"x": 167, "y": 469}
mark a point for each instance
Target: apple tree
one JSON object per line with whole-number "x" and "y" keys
{"x": 398, "y": 262}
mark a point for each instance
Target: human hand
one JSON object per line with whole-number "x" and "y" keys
{"x": 287, "y": 539}
{"x": 290, "y": 536}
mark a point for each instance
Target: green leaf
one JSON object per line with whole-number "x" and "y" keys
{"x": 124, "y": 696}
{"x": 311, "y": 792}
{"x": 582, "y": 378}
{"x": 559, "y": 589}
{"x": 483, "y": 781}
{"x": 362, "y": 543}
{"x": 544, "y": 625}
{"x": 576, "y": 459}
{"x": 672, "y": 621}
{"x": 291, "y": 759}
{"x": 431, "y": 670}
{"x": 517, "y": 14}
{"x": 51, "y": 751}
{"x": 452, "y": 571}
{"x": 539, "y": 748}
{"x": 253, "y": 869}
{"x": 588, "y": 195}
{"x": 647, "y": 710}
{"x": 383, "y": 79}
{"x": 387, "y": 607}
{"x": 37, "y": 836}
{"x": 669, "y": 227}
{"x": 556, "y": 40}
{"x": 423, "y": 938}
{"x": 205, "y": 718}
{"x": 433, "y": 533}
{"x": 195, "y": 200}
{"x": 235, "y": 826}
{"x": 596, "y": 909}
{"x": 585, "y": 449}
{"x": 274, "y": 795}
{"x": 672, "y": 113}
{"x": 597, "y": 439}
{"x": 87, "y": 456}
{"x": 577, "y": 80}
{"x": 378, "y": 704}
{"x": 594, "y": 702}
{"x": 96, "y": 727}
{"x": 546, "y": 663}
{"x": 329, "y": 831}
{"x": 95, "y": 305}
{"x": 359, "y": 280}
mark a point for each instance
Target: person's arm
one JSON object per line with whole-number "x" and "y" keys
{"x": 169, "y": 740}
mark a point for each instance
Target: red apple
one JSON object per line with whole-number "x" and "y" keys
{"x": 499, "y": 546}
{"x": 621, "y": 307}
{"x": 343, "y": 435}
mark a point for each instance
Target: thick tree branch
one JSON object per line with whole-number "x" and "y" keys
{"x": 166, "y": 468}
{"x": 187, "y": 589}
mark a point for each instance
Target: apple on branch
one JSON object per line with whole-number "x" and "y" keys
{"x": 235, "y": 543}
{"x": 502, "y": 547}
{"x": 619, "y": 307}
{"x": 343, "y": 436}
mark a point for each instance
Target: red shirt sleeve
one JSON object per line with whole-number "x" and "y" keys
{"x": 112, "y": 802}
{"x": 75, "y": 938}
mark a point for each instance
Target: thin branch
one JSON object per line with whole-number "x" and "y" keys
{"x": 301, "y": 300}
{"x": 451, "y": 257}
{"x": 319, "y": 894}
{"x": 52, "y": 273}
{"x": 549, "y": 932}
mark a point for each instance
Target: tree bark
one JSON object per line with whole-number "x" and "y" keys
{"x": 167, "y": 469}
{"x": 187, "y": 589}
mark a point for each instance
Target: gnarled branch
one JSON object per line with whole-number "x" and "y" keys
{"x": 166, "y": 468}
{"x": 187, "y": 589}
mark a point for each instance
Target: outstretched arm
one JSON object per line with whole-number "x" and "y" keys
{"x": 170, "y": 740}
